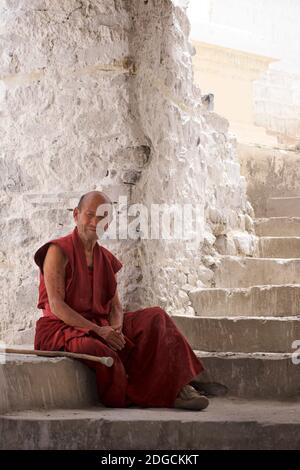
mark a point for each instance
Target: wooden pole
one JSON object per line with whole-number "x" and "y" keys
{"x": 107, "y": 361}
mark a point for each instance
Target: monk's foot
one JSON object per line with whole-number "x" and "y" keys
{"x": 211, "y": 389}
{"x": 189, "y": 399}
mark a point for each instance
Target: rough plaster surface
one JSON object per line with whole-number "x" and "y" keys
{"x": 193, "y": 157}
{"x": 98, "y": 94}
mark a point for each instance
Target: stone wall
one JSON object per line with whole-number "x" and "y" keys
{"x": 65, "y": 128}
{"x": 100, "y": 95}
{"x": 193, "y": 159}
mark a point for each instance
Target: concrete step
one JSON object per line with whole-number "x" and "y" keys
{"x": 269, "y": 172}
{"x": 36, "y": 382}
{"x": 253, "y": 375}
{"x": 277, "y": 227}
{"x": 240, "y": 334}
{"x": 268, "y": 300}
{"x": 283, "y": 206}
{"x": 225, "y": 424}
{"x": 235, "y": 271}
{"x": 279, "y": 247}
{"x": 41, "y": 383}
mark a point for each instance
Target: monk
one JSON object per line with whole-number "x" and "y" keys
{"x": 82, "y": 313}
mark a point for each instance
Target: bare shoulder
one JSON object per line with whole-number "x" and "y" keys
{"x": 55, "y": 258}
{"x": 54, "y": 273}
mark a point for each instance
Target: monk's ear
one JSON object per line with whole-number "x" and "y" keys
{"x": 75, "y": 213}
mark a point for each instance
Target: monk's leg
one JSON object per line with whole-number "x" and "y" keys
{"x": 111, "y": 381}
{"x": 162, "y": 361}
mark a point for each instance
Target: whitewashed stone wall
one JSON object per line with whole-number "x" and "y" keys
{"x": 193, "y": 158}
{"x": 65, "y": 128}
{"x": 96, "y": 95}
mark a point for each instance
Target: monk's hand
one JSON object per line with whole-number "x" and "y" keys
{"x": 117, "y": 327}
{"x": 119, "y": 330}
{"x": 115, "y": 339}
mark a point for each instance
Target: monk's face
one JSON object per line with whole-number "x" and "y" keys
{"x": 93, "y": 218}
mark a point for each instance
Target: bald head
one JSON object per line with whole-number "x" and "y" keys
{"x": 92, "y": 196}
{"x": 93, "y": 215}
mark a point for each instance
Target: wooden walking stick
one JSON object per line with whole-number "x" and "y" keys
{"x": 107, "y": 361}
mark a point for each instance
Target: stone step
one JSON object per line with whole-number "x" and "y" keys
{"x": 235, "y": 271}
{"x": 253, "y": 375}
{"x": 279, "y": 247}
{"x": 240, "y": 334}
{"x": 29, "y": 382}
{"x": 225, "y": 424}
{"x": 269, "y": 172}
{"x": 36, "y": 382}
{"x": 283, "y": 206}
{"x": 277, "y": 227}
{"x": 267, "y": 300}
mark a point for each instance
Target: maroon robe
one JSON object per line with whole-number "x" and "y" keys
{"x": 156, "y": 361}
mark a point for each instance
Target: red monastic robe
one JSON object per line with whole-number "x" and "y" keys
{"x": 156, "y": 361}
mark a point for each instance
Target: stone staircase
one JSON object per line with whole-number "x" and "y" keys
{"x": 249, "y": 320}
{"x": 243, "y": 332}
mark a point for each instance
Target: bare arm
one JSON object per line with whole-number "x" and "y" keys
{"x": 54, "y": 274}
{"x": 116, "y": 314}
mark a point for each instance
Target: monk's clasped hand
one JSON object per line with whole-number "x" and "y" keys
{"x": 115, "y": 340}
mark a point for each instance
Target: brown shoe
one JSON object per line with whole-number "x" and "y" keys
{"x": 210, "y": 389}
{"x": 189, "y": 399}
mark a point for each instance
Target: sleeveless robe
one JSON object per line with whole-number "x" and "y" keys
{"x": 156, "y": 361}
